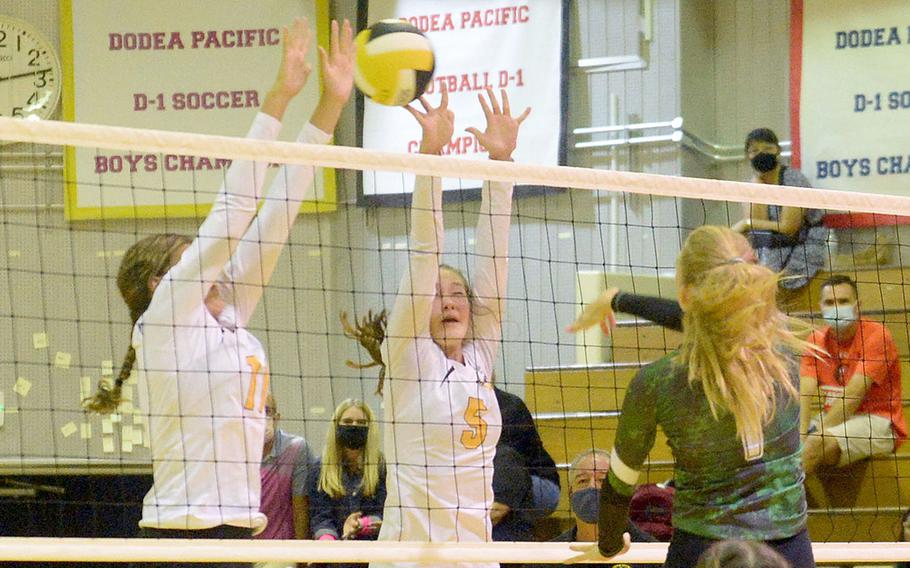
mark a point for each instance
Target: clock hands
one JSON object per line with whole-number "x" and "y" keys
{"x": 27, "y": 74}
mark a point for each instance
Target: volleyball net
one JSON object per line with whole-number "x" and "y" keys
{"x": 66, "y": 224}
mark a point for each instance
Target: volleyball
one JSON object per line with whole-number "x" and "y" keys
{"x": 395, "y": 62}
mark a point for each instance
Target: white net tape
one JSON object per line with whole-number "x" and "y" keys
{"x": 117, "y": 138}
{"x": 146, "y": 550}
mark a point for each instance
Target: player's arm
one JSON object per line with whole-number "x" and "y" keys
{"x": 634, "y": 438}
{"x": 662, "y": 311}
{"x": 491, "y": 259}
{"x": 257, "y": 255}
{"x": 410, "y": 316}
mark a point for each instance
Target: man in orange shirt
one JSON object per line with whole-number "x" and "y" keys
{"x": 859, "y": 380}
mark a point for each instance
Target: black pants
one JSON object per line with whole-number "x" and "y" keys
{"x": 222, "y": 532}
{"x": 686, "y": 548}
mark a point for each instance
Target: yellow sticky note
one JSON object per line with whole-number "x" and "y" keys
{"x": 138, "y": 419}
{"x": 14, "y": 253}
{"x": 107, "y": 427}
{"x": 317, "y": 410}
{"x": 126, "y": 407}
{"x": 116, "y": 417}
{"x": 62, "y": 360}
{"x": 85, "y": 387}
{"x": 85, "y": 430}
{"x": 107, "y": 367}
{"x": 69, "y": 429}
{"x": 127, "y": 432}
{"x": 126, "y": 445}
{"x": 39, "y": 340}
{"x": 137, "y": 436}
{"x": 107, "y": 444}
{"x": 126, "y": 393}
{"x": 22, "y": 386}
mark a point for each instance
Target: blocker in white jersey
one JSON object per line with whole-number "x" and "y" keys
{"x": 203, "y": 378}
{"x": 442, "y": 420}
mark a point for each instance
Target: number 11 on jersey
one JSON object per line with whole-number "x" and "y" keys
{"x": 255, "y": 367}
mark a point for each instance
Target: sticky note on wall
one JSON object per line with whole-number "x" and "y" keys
{"x": 22, "y": 386}
{"x": 69, "y": 429}
{"x": 39, "y": 340}
{"x": 62, "y": 360}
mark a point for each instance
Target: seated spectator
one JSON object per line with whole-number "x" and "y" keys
{"x": 786, "y": 239}
{"x": 286, "y": 463}
{"x": 525, "y": 479}
{"x": 587, "y": 473}
{"x": 859, "y": 379}
{"x": 348, "y": 495}
{"x": 741, "y": 554}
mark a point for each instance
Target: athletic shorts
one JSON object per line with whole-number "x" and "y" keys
{"x": 861, "y": 437}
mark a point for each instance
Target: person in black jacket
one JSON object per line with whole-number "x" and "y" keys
{"x": 525, "y": 479}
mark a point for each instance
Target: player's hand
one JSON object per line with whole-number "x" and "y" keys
{"x": 501, "y": 135}
{"x": 438, "y": 124}
{"x": 591, "y": 552}
{"x": 337, "y": 64}
{"x": 294, "y": 69}
{"x": 600, "y": 311}
{"x": 351, "y": 525}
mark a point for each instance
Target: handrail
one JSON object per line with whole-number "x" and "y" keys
{"x": 722, "y": 152}
{"x": 581, "y": 414}
{"x": 582, "y": 367}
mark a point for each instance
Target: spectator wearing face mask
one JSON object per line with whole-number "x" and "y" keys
{"x": 858, "y": 383}
{"x": 286, "y": 464}
{"x": 786, "y": 239}
{"x": 347, "y": 498}
{"x": 586, "y": 475}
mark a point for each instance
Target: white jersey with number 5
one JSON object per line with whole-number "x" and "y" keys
{"x": 204, "y": 380}
{"x": 442, "y": 420}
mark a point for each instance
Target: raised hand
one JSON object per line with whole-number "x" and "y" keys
{"x": 600, "y": 311}
{"x": 438, "y": 124}
{"x": 294, "y": 69}
{"x": 501, "y": 135}
{"x": 337, "y": 64}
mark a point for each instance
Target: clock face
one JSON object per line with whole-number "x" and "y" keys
{"x": 30, "y": 77}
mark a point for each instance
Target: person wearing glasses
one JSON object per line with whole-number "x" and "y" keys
{"x": 857, "y": 384}
{"x": 286, "y": 465}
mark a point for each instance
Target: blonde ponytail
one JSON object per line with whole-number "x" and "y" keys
{"x": 736, "y": 341}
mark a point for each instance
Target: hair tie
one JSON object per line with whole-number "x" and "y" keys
{"x": 735, "y": 260}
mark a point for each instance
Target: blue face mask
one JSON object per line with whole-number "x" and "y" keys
{"x": 586, "y": 504}
{"x": 839, "y": 317}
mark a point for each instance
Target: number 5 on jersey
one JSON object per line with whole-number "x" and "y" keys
{"x": 473, "y": 415}
{"x": 255, "y": 367}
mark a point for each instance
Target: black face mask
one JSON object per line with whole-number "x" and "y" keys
{"x": 764, "y": 162}
{"x": 353, "y": 437}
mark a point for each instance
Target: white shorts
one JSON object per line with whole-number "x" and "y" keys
{"x": 861, "y": 437}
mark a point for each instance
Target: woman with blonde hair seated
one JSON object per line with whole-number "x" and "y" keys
{"x": 347, "y": 498}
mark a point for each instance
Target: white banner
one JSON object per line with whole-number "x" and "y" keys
{"x": 510, "y": 44}
{"x": 851, "y": 93}
{"x": 201, "y": 66}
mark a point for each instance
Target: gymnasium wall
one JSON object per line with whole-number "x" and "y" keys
{"x": 360, "y": 249}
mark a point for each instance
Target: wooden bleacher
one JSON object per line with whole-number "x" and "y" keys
{"x": 578, "y": 407}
